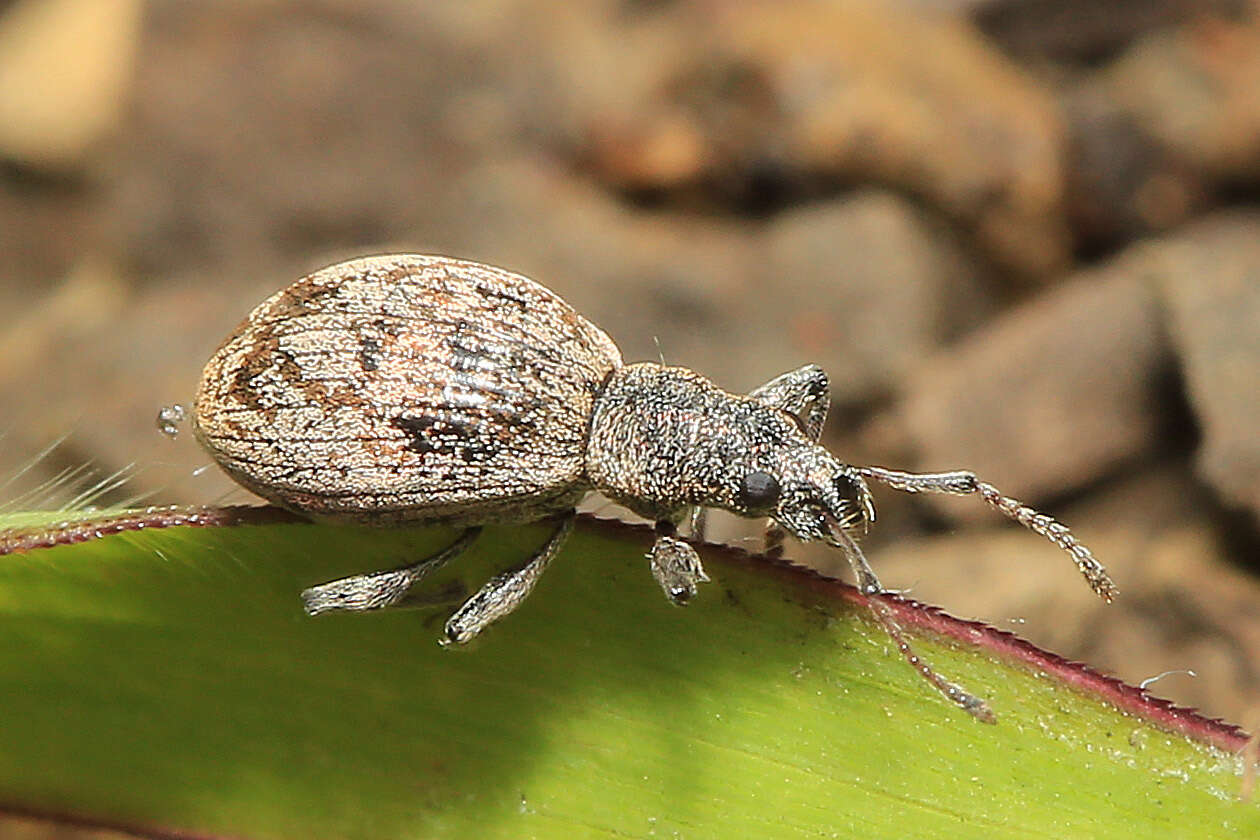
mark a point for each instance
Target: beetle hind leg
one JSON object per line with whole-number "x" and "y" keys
{"x": 377, "y": 590}
{"x": 504, "y": 592}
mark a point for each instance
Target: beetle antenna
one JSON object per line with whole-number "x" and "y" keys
{"x": 964, "y": 483}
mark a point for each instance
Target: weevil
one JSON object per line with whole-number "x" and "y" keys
{"x": 405, "y": 389}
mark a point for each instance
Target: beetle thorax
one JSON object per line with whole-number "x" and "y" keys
{"x": 663, "y": 438}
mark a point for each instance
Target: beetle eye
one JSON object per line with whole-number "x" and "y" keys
{"x": 758, "y": 490}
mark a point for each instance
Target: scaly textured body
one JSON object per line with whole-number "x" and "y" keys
{"x": 408, "y": 388}
{"x": 411, "y": 388}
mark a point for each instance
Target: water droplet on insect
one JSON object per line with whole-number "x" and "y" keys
{"x": 169, "y": 418}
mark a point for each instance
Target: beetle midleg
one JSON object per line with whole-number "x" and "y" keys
{"x": 964, "y": 483}
{"x": 870, "y": 586}
{"x": 504, "y": 592}
{"x": 675, "y": 564}
{"x": 377, "y": 590}
{"x": 807, "y": 390}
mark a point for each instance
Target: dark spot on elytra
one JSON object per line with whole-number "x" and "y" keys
{"x": 465, "y": 355}
{"x": 346, "y": 397}
{"x": 395, "y": 272}
{"x": 388, "y": 326}
{"x": 474, "y": 451}
{"x": 236, "y": 428}
{"x": 266, "y": 364}
{"x": 422, "y": 430}
{"x": 468, "y": 353}
{"x": 315, "y": 392}
{"x": 445, "y": 436}
{"x": 369, "y": 352}
{"x": 302, "y": 298}
{"x": 254, "y": 363}
{"x": 507, "y": 295}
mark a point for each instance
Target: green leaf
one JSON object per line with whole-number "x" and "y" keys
{"x": 169, "y": 680}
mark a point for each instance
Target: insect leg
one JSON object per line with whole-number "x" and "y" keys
{"x": 964, "y": 483}
{"x": 699, "y": 520}
{"x": 869, "y": 584}
{"x": 806, "y": 390}
{"x": 675, "y": 564}
{"x": 504, "y": 592}
{"x": 377, "y": 590}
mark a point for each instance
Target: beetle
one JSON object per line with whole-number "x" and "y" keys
{"x": 405, "y": 388}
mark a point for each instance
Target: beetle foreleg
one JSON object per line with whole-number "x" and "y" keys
{"x": 869, "y": 584}
{"x": 806, "y": 391}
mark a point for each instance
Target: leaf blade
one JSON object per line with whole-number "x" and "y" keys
{"x": 170, "y": 678}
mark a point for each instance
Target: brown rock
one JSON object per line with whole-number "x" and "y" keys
{"x": 867, "y": 287}
{"x": 1051, "y": 395}
{"x": 1194, "y": 89}
{"x": 251, "y": 149}
{"x": 1209, "y": 282}
{"x": 1083, "y": 30}
{"x": 808, "y": 94}
{"x": 54, "y": 108}
{"x": 1122, "y": 183}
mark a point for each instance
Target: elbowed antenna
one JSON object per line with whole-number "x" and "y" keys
{"x": 965, "y": 483}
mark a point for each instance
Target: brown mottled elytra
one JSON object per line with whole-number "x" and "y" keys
{"x": 404, "y": 388}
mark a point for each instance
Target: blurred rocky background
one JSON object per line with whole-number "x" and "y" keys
{"x": 1023, "y": 236}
